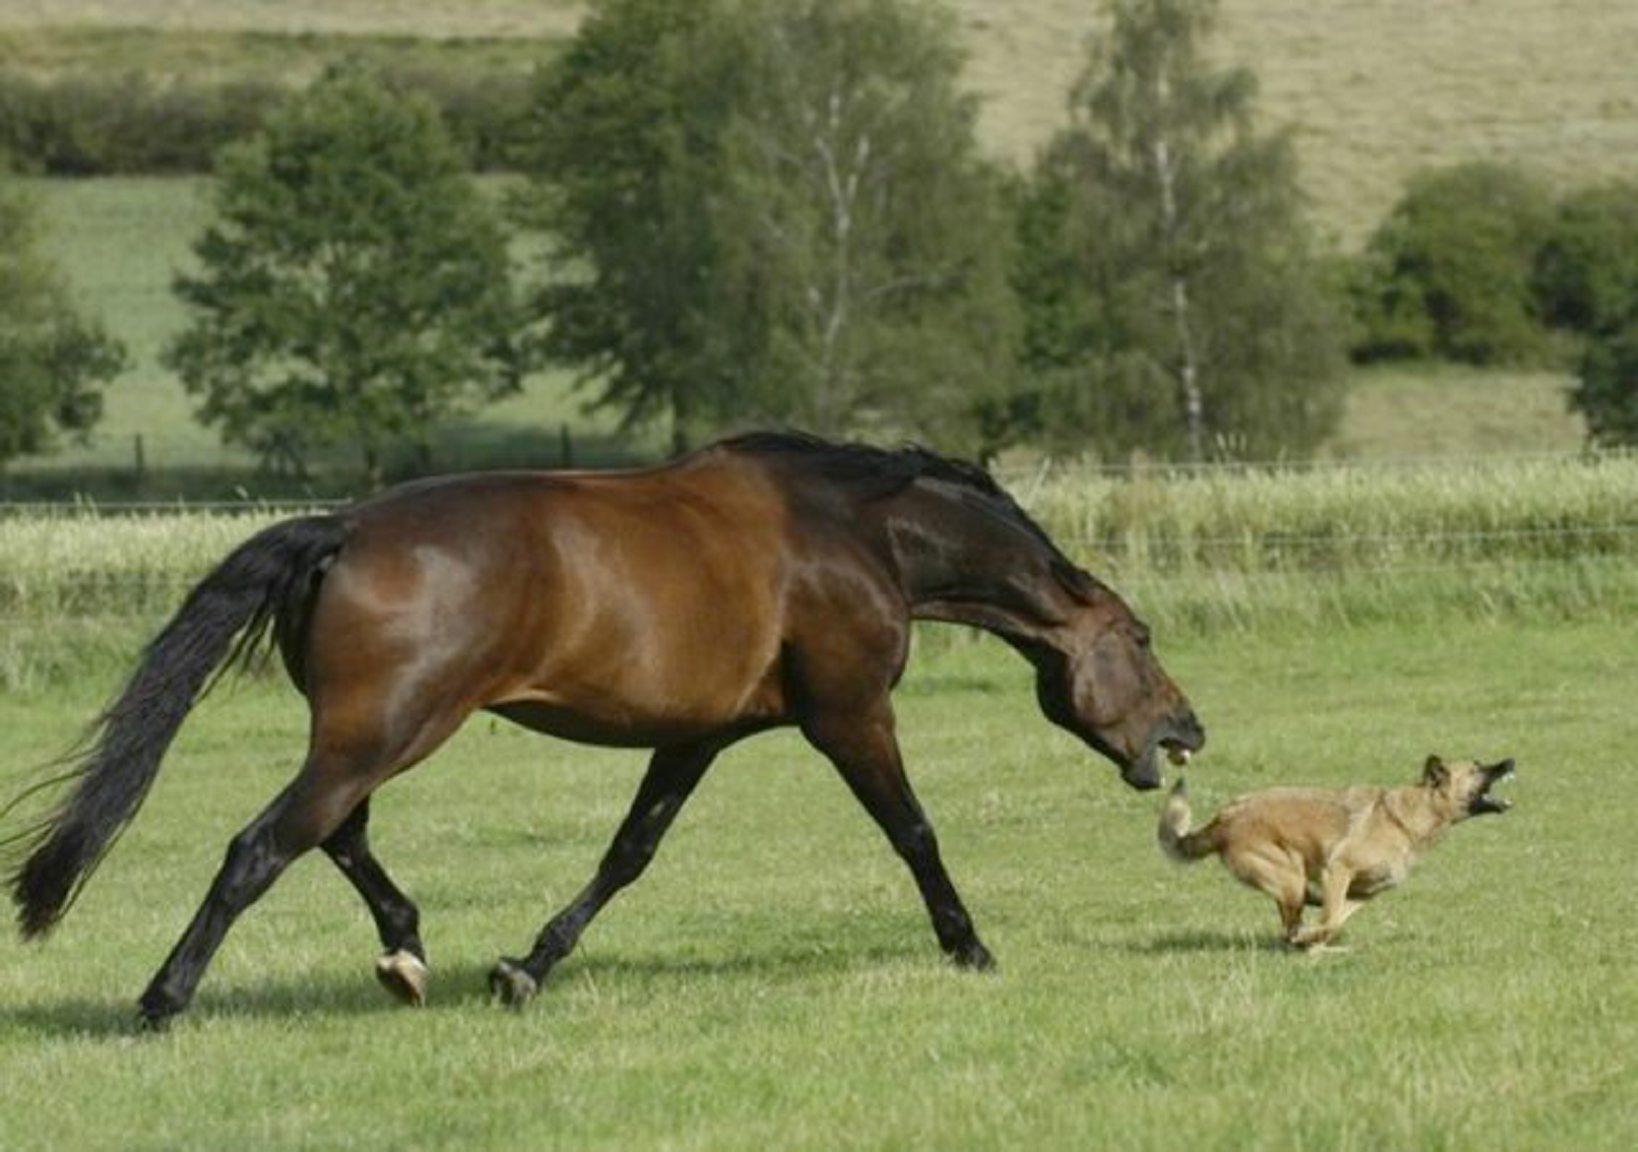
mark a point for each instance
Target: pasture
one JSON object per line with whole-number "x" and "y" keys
{"x": 773, "y": 981}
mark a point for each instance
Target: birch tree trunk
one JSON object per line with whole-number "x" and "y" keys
{"x": 1188, "y": 368}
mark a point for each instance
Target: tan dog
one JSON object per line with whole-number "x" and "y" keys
{"x": 1335, "y": 847}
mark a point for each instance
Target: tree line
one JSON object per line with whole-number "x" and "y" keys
{"x": 776, "y": 212}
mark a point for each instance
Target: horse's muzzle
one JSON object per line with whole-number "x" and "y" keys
{"x": 1176, "y": 738}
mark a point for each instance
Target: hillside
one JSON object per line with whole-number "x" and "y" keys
{"x": 1373, "y": 88}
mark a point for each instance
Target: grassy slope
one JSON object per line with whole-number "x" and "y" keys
{"x": 773, "y": 980}
{"x": 1373, "y": 90}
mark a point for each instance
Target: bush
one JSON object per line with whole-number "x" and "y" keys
{"x": 1450, "y": 272}
{"x": 1607, "y": 390}
{"x": 1586, "y": 273}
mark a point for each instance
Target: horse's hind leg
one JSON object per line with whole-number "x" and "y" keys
{"x": 402, "y": 966}
{"x": 303, "y": 815}
{"x": 348, "y": 760}
{"x": 672, "y": 775}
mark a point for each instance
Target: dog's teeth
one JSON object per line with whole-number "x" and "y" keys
{"x": 1178, "y": 756}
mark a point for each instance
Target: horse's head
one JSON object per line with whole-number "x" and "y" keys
{"x": 1098, "y": 677}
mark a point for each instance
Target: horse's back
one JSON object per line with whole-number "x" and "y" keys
{"x": 623, "y": 608}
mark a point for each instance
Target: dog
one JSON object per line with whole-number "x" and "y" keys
{"x": 1332, "y": 847}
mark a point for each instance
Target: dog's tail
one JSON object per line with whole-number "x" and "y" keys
{"x": 1175, "y": 838}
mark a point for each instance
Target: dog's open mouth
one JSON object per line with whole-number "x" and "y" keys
{"x": 1483, "y": 802}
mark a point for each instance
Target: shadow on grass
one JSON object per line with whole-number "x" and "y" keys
{"x": 456, "y": 987}
{"x": 1197, "y": 940}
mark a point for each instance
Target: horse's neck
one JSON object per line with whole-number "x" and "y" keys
{"x": 963, "y": 566}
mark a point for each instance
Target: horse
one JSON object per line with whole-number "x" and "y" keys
{"x": 768, "y": 580}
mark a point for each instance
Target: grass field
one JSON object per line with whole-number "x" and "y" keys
{"x": 1373, "y": 90}
{"x": 773, "y": 982}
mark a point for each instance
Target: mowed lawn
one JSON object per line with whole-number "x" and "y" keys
{"x": 773, "y": 981}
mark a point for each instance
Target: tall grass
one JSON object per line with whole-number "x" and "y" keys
{"x": 1199, "y": 552}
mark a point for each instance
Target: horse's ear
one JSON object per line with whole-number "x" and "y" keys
{"x": 1434, "y": 772}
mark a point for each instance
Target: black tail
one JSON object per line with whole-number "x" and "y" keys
{"x": 261, "y": 577}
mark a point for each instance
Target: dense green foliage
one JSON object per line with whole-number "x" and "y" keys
{"x": 356, "y": 287}
{"x": 771, "y": 213}
{"x": 1607, "y": 390}
{"x": 1449, "y": 272}
{"x": 102, "y": 124}
{"x": 1586, "y": 270}
{"x": 1587, "y": 282}
{"x": 1174, "y": 300}
{"x": 53, "y": 359}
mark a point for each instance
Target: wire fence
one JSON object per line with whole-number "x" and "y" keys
{"x": 1024, "y": 480}
{"x": 143, "y": 597}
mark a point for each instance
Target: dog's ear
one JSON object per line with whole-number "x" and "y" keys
{"x": 1434, "y": 772}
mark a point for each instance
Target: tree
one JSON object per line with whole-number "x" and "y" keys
{"x": 1606, "y": 391}
{"x": 1585, "y": 273}
{"x": 1586, "y": 281}
{"x": 1173, "y": 297}
{"x": 1449, "y": 272}
{"x": 772, "y": 212}
{"x": 52, "y": 358}
{"x": 355, "y": 288}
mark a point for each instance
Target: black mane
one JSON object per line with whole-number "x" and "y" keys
{"x": 881, "y": 472}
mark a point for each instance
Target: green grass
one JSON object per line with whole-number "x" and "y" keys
{"x": 773, "y": 982}
{"x": 1372, "y": 91}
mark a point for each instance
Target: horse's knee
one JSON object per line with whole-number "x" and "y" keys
{"x": 249, "y": 865}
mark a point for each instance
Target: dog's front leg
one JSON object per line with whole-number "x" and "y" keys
{"x": 1335, "y": 907}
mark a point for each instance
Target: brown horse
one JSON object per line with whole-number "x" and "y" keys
{"x": 768, "y": 580}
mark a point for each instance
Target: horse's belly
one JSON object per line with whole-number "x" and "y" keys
{"x": 617, "y": 724}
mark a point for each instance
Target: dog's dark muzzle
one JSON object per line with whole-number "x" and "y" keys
{"x": 1484, "y": 803}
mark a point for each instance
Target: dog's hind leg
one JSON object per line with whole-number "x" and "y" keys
{"x": 1335, "y": 908}
{"x": 1278, "y": 875}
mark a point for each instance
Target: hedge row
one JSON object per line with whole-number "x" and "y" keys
{"x": 80, "y": 125}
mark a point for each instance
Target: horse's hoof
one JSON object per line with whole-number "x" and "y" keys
{"x": 973, "y": 956}
{"x": 511, "y": 985}
{"x": 403, "y": 974}
{"x": 154, "y": 1023}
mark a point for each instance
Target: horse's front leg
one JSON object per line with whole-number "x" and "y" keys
{"x": 865, "y": 751}
{"x": 672, "y": 775}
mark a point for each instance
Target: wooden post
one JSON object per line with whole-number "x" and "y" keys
{"x": 141, "y": 458}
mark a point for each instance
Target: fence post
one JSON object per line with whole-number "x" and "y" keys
{"x": 141, "y": 458}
